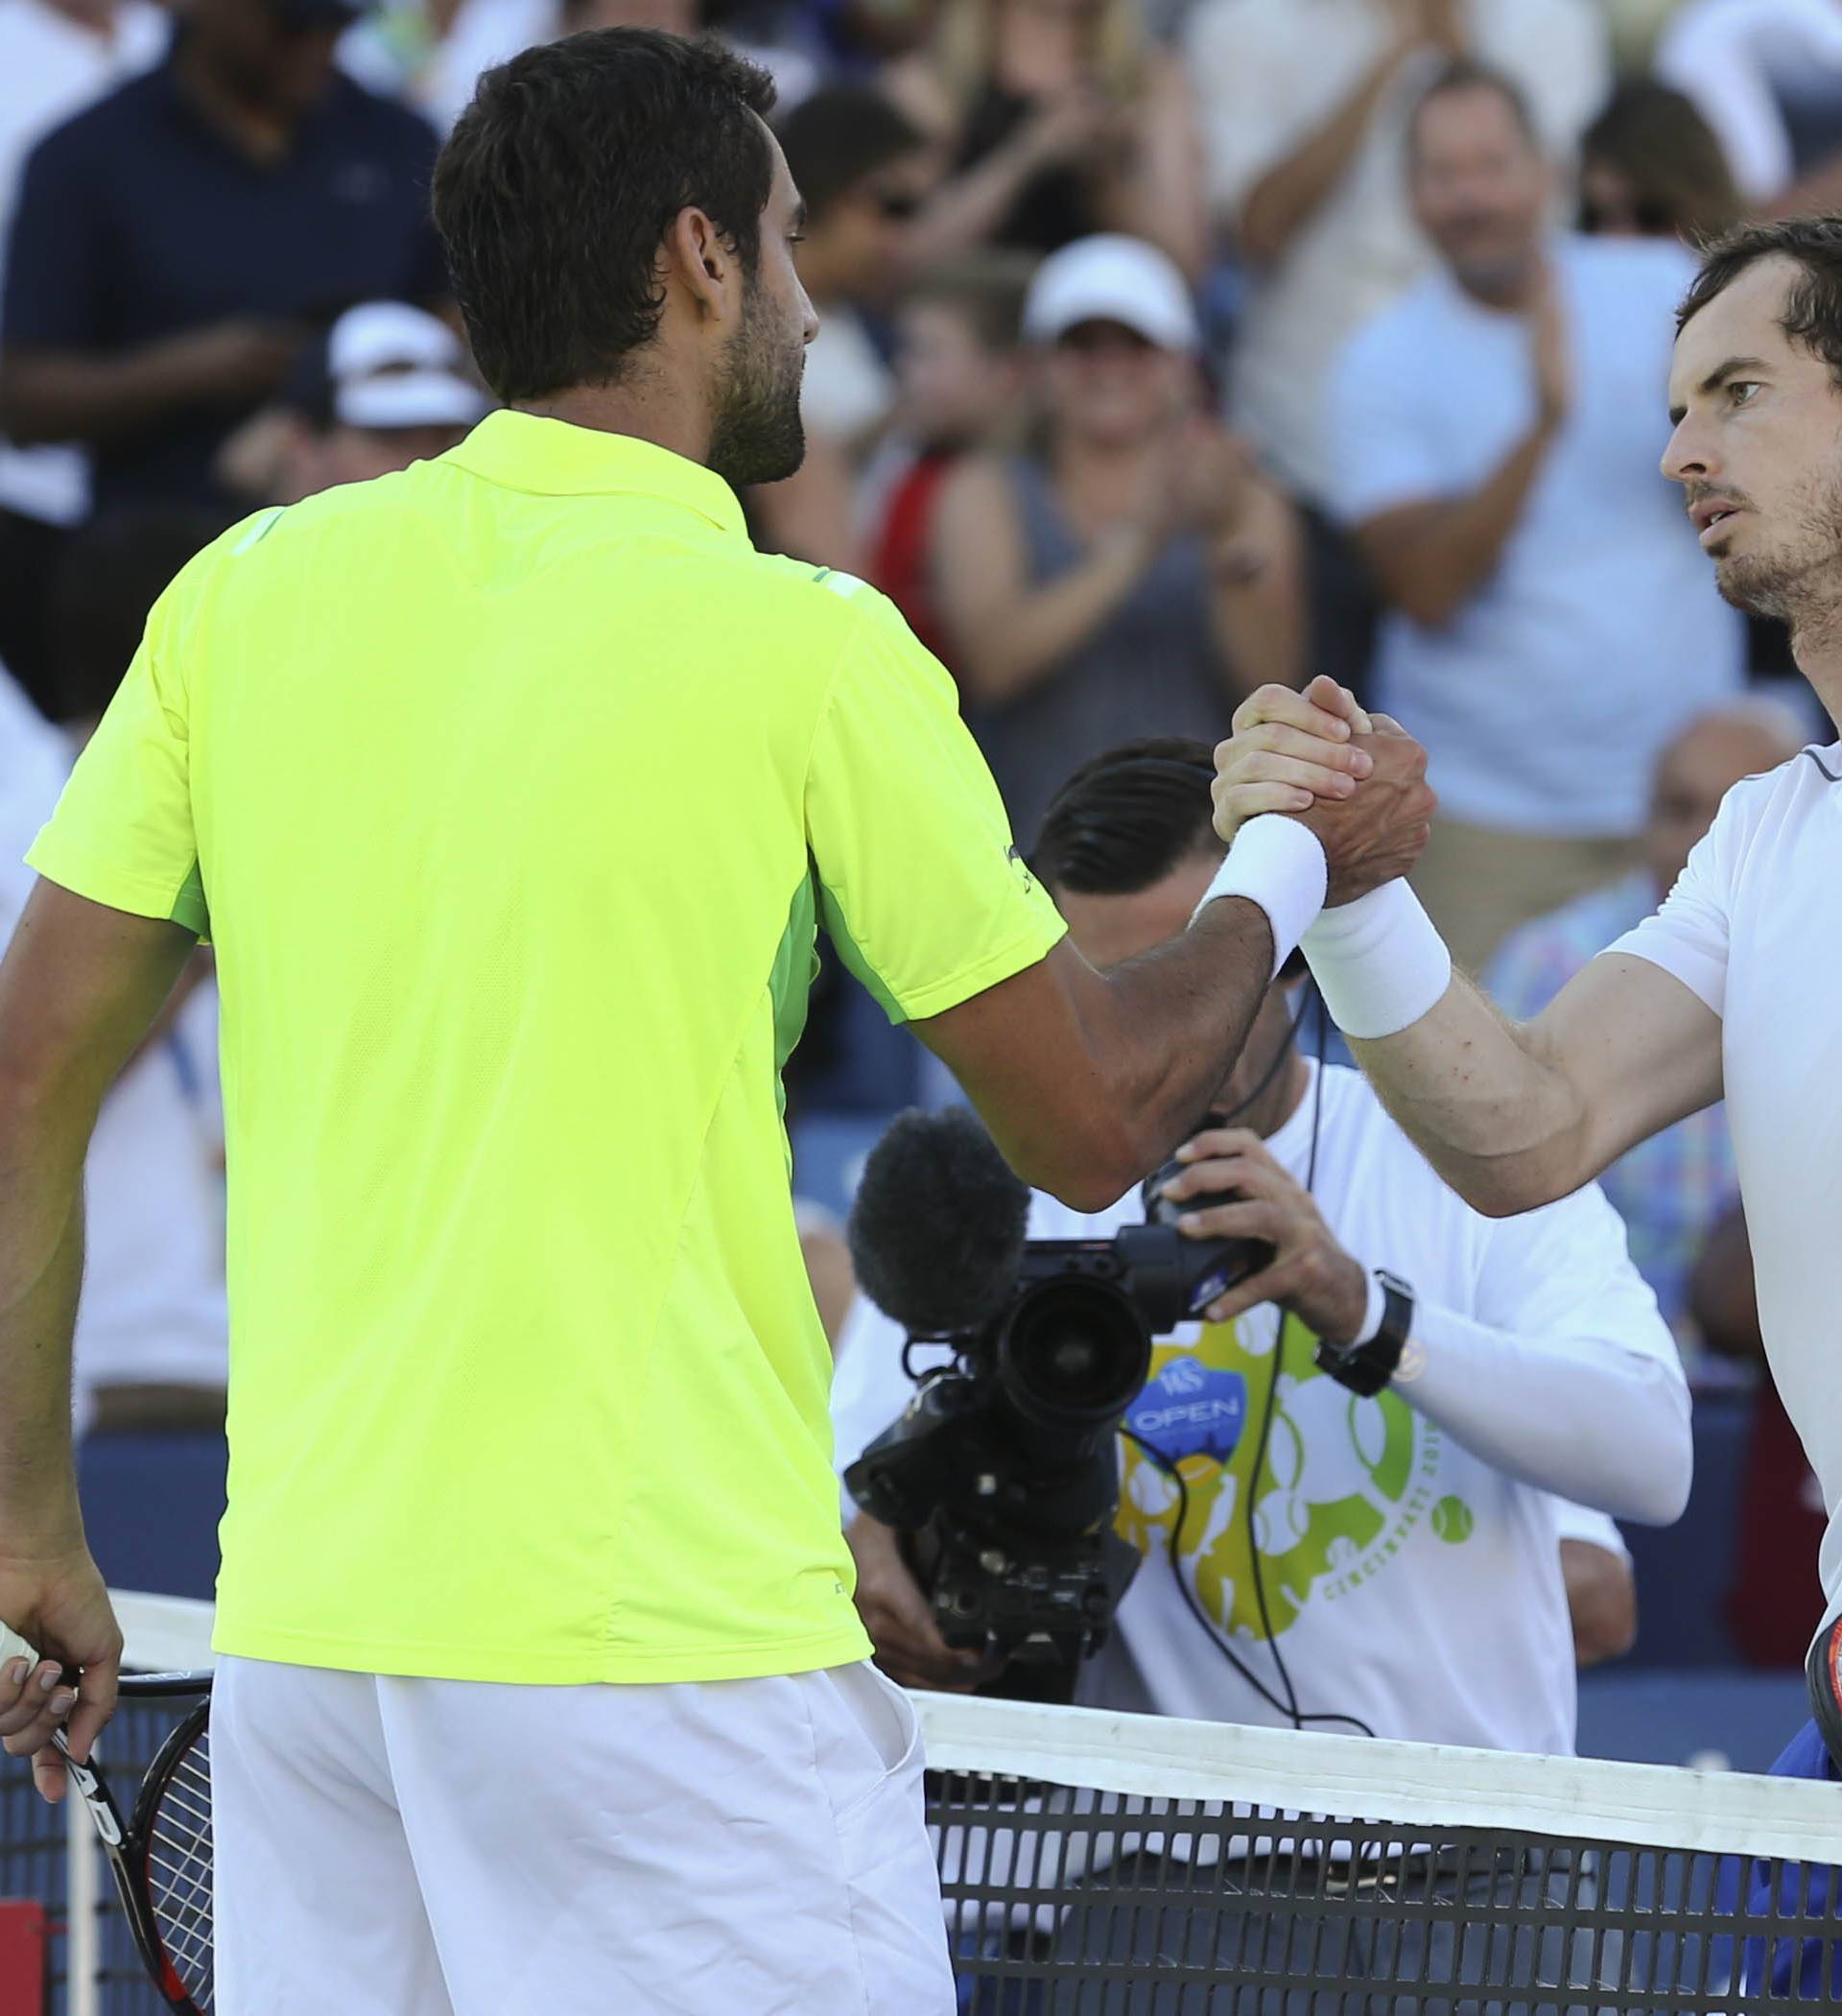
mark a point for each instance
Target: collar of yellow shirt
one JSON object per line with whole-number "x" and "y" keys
{"x": 522, "y": 451}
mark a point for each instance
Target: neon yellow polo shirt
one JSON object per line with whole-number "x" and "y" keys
{"x": 510, "y": 790}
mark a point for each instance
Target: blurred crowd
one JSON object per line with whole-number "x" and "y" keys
{"x": 1168, "y": 348}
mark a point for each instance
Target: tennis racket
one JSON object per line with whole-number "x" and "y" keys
{"x": 160, "y": 1854}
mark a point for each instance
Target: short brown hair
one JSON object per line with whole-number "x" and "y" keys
{"x": 985, "y": 288}
{"x": 1463, "y": 74}
{"x": 1812, "y": 314}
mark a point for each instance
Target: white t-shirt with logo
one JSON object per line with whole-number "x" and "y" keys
{"x": 1407, "y": 1582}
{"x": 1752, "y": 928}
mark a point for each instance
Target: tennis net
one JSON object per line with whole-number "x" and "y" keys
{"x": 1101, "y": 1865}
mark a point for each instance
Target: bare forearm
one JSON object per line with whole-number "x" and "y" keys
{"x": 1169, "y": 1024}
{"x": 966, "y": 210}
{"x": 1485, "y": 1105}
{"x": 1012, "y": 650}
{"x": 1287, "y": 197}
{"x": 64, "y": 395}
{"x": 1455, "y": 547}
{"x": 1259, "y": 622}
{"x": 41, "y": 1266}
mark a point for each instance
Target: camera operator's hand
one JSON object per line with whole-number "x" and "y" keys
{"x": 908, "y": 1645}
{"x": 1311, "y": 1276}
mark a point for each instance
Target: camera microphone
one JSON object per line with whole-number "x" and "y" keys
{"x": 937, "y": 1228}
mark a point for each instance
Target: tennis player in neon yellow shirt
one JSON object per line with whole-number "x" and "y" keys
{"x": 512, "y": 791}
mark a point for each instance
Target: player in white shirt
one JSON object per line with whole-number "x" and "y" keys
{"x": 1730, "y": 988}
{"x": 1388, "y": 1563}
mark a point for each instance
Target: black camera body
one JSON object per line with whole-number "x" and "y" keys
{"x": 1003, "y": 1468}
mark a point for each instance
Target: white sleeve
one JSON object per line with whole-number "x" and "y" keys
{"x": 1688, "y": 935}
{"x": 1241, "y": 56}
{"x": 1714, "y": 52}
{"x": 1380, "y": 452}
{"x": 1562, "y": 1374}
{"x": 1563, "y": 60}
{"x": 1580, "y": 1522}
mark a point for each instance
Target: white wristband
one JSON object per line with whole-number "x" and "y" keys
{"x": 1372, "y": 1315}
{"x": 1379, "y": 962}
{"x": 1279, "y": 864}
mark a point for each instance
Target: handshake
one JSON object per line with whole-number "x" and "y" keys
{"x": 1358, "y": 781}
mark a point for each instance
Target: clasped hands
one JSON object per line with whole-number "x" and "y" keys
{"x": 1358, "y": 780}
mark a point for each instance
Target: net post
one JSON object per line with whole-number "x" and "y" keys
{"x": 83, "y": 1939}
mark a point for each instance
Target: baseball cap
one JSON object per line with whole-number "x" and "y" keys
{"x": 389, "y": 365}
{"x": 1112, "y": 279}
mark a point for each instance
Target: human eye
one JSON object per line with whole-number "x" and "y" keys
{"x": 1740, "y": 390}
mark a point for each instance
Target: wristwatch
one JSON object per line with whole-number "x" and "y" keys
{"x": 1365, "y": 1368}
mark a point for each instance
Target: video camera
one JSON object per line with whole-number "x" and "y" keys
{"x": 1003, "y": 1468}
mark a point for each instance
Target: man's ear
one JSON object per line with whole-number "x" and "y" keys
{"x": 696, "y": 254}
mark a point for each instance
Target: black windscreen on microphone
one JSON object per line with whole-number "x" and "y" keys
{"x": 936, "y": 1231}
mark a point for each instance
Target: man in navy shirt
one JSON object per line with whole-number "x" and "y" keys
{"x": 177, "y": 244}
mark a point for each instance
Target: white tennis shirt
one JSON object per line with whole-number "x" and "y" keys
{"x": 1408, "y": 1543}
{"x": 1754, "y": 929}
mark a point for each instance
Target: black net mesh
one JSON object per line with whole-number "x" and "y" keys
{"x": 34, "y": 1858}
{"x": 1064, "y": 1902}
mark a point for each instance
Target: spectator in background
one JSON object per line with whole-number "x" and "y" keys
{"x": 1730, "y": 55}
{"x": 1671, "y": 1189}
{"x": 1137, "y": 575}
{"x": 176, "y": 245}
{"x": 1650, "y": 167}
{"x": 388, "y": 386}
{"x": 960, "y": 382}
{"x": 1494, "y": 436}
{"x": 1307, "y": 105}
{"x": 1774, "y": 1603}
{"x": 861, "y": 167}
{"x": 56, "y": 56}
{"x": 1062, "y": 119}
{"x": 153, "y": 1333}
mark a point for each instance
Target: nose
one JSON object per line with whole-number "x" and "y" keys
{"x": 1690, "y": 454}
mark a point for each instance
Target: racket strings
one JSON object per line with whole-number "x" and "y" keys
{"x": 178, "y": 1870}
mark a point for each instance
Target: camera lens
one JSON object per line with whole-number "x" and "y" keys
{"x": 1074, "y": 1353}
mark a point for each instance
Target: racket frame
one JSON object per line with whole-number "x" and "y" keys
{"x": 127, "y": 1843}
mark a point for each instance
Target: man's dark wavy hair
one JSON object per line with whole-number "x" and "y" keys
{"x": 561, "y": 178}
{"x": 1812, "y": 316}
{"x": 1126, "y": 819}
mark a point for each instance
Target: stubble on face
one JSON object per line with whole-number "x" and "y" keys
{"x": 757, "y": 435}
{"x": 1802, "y": 571}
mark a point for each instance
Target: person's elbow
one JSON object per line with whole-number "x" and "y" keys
{"x": 1424, "y": 594}
{"x": 1657, "y": 1467}
{"x": 1088, "y": 1163}
{"x": 1601, "y": 1601}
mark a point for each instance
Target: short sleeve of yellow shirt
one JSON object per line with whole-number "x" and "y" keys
{"x": 123, "y": 833}
{"x": 906, "y": 825}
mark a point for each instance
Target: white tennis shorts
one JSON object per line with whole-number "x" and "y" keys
{"x": 396, "y": 1847}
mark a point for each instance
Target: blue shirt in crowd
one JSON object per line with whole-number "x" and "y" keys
{"x": 141, "y": 218}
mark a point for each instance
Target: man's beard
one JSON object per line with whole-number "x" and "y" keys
{"x": 757, "y": 436}
{"x": 1804, "y": 573}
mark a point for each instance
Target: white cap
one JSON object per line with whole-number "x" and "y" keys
{"x": 1111, "y": 279}
{"x": 394, "y": 365}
